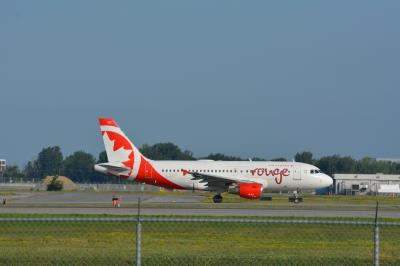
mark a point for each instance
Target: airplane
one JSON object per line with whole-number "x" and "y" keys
{"x": 248, "y": 179}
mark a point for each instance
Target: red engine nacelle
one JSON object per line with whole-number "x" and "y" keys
{"x": 250, "y": 191}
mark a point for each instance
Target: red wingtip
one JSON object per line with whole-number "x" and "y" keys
{"x": 107, "y": 122}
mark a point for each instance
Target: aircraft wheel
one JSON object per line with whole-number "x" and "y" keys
{"x": 295, "y": 199}
{"x": 217, "y": 198}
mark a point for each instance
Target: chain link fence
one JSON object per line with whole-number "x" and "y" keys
{"x": 194, "y": 241}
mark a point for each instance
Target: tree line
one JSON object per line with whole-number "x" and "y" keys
{"x": 78, "y": 166}
{"x": 337, "y": 164}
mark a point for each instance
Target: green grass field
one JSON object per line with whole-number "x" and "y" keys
{"x": 184, "y": 243}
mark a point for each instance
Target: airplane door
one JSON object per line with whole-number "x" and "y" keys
{"x": 148, "y": 170}
{"x": 297, "y": 173}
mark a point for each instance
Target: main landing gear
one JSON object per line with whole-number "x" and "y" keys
{"x": 217, "y": 198}
{"x": 295, "y": 198}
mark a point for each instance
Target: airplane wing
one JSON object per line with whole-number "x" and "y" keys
{"x": 215, "y": 182}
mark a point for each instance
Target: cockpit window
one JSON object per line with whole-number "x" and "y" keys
{"x": 315, "y": 171}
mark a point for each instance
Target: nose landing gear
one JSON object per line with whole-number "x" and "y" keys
{"x": 217, "y": 198}
{"x": 295, "y": 198}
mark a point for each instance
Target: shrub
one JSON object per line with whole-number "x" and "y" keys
{"x": 55, "y": 184}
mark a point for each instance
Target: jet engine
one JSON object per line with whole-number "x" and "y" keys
{"x": 247, "y": 190}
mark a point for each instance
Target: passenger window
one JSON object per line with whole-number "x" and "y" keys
{"x": 312, "y": 171}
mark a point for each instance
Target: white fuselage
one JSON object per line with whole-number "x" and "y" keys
{"x": 274, "y": 176}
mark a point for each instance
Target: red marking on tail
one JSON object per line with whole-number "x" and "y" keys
{"x": 122, "y": 142}
{"x": 107, "y": 122}
{"x": 119, "y": 141}
{"x": 130, "y": 162}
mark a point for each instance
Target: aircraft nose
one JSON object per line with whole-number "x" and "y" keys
{"x": 327, "y": 180}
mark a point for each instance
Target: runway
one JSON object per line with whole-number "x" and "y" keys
{"x": 182, "y": 205}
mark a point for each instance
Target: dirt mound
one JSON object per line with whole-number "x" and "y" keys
{"x": 67, "y": 183}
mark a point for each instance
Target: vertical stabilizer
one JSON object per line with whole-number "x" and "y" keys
{"x": 120, "y": 150}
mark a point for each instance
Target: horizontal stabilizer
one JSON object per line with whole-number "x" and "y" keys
{"x": 115, "y": 168}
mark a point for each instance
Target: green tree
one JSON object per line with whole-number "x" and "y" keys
{"x": 165, "y": 151}
{"x": 367, "y": 166}
{"x": 327, "y": 164}
{"x": 345, "y": 164}
{"x": 396, "y": 168}
{"x": 279, "y": 159}
{"x": 102, "y": 157}
{"x": 337, "y": 164}
{"x": 49, "y": 161}
{"x": 13, "y": 171}
{"x": 304, "y": 157}
{"x": 258, "y": 159}
{"x": 222, "y": 157}
{"x": 79, "y": 166}
{"x": 31, "y": 170}
{"x": 97, "y": 177}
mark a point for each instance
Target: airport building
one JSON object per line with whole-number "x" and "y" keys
{"x": 363, "y": 184}
{"x": 3, "y": 166}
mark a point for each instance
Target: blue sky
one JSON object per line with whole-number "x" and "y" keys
{"x": 247, "y": 78}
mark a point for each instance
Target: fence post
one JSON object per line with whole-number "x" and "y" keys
{"x": 138, "y": 236}
{"x": 376, "y": 238}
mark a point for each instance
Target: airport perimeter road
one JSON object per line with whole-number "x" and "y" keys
{"x": 202, "y": 211}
